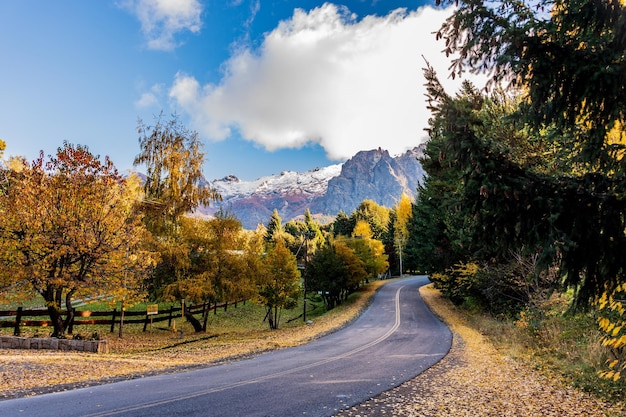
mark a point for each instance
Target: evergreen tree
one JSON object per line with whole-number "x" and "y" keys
{"x": 390, "y": 245}
{"x": 568, "y": 63}
{"x": 314, "y": 232}
{"x": 274, "y": 228}
{"x": 343, "y": 225}
{"x": 335, "y": 271}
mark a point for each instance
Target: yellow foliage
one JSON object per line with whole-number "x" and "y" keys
{"x": 611, "y": 322}
{"x": 362, "y": 229}
{"x": 72, "y": 228}
{"x": 404, "y": 212}
{"x": 617, "y": 136}
{"x": 603, "y": 323}
{"x": 467, "y": 269}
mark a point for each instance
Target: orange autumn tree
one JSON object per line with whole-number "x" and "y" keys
{"x": 69, "y": 227}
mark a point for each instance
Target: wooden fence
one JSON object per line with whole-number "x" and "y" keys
{"x": 21, "y": 317}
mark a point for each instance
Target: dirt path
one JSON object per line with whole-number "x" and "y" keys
{"x": 476, "y": 380}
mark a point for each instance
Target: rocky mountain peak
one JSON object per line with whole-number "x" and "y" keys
{"x": 373, "y": 174}
{"x": 230, "y": 178}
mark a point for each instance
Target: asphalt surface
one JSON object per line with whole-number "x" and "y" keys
{"x": 393, "y": 341}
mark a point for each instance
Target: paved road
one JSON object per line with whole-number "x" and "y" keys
{"x": 393, "y": 341}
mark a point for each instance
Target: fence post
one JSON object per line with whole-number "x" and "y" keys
{"x": 18, "y": 319}
{"x": 205, "y": 318}
{"x": 145, "y": 323}
{"x": 113, "y": 319}
{"x": 169, "y": 322}
{"x": 70, "y": 326}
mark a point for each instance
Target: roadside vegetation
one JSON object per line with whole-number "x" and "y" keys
{"x": 489, "y": 371}
{"x": 568, "y": 346}
{"x": 74, "y": 229}
{"x": 469, "y": 379}
{"x": 522, "y": 215}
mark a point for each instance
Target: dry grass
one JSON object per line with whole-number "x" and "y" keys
{"x": 24, "y": 372}
{"x": 553, "y": 342}
{"x": 478, "y": 379}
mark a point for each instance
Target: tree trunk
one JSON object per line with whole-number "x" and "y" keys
{"x": 69, "y": 320}
{"x": 205, "y": 318}
{"x": 197, "y": 326}
{"x": 52, "y": 296}
{"x": 57, "y": 320}
{"x": 270, "y": 318}
{"x": 275, "y": 318}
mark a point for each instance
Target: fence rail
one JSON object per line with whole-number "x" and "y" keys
{"x": 21, "y": 317}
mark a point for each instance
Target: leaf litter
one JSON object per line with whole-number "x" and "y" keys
{"x": 475, "y": 379}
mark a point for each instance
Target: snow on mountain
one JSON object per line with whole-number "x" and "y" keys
{"x": 290, "y": 192}
{"x": 309, "y": 182}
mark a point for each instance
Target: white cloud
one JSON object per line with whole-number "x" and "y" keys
{"x": 162, "y": 20}
{"x": 255, "y": 6}
{"x": 151, "y": 98}
{"x": 326, "y": 77}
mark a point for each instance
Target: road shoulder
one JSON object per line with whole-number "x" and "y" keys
{"x": 475, "y": 379}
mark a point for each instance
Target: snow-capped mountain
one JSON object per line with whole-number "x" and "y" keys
{"x": 314, "y": 182}
{"x": 371, "y": 175}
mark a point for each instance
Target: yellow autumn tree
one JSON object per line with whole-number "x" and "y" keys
{"x": 217, "y": 268}
{"x": 70, "y": 227}
{"x": 362, "y": 230}
{"x": 371, "y": 251}
{"x": 403, "y": 212}
{"x": 172, "y": 157}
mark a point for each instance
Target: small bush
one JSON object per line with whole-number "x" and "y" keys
{"x": 612, "y": 323}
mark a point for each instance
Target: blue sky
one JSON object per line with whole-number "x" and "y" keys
{"x": 269, "y": 85}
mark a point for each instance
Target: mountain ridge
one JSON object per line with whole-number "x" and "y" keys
{"x": 373, "y": 175}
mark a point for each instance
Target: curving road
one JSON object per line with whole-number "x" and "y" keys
{"x": 394, "y": 340}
